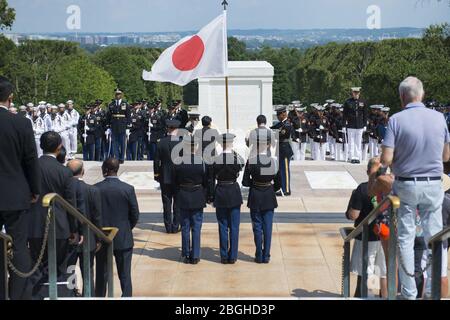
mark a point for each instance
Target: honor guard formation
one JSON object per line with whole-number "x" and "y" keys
{"x": 193, "y": 163}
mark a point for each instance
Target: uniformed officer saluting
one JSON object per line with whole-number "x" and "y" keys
{"x": 260, "y": 171}
{"x": 118, "y": 117}
{"x": 163, "y": 171}
{"x": 286, "y": 132}
{"x": 227, "y": 197}
{"x": 356, "y": 119}
{"x": 190, "y": 177}
{"x": 86, "y": 127}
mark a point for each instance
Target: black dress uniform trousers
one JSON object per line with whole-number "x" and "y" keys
{"x": 171, "y": 211}
{"x": 123, "y": 264}
{"x": 16, "y": 225}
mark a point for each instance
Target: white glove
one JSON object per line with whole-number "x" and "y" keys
{"x": 365, "y": 129}
{"x": 321, "y": 127}
{"x": 85, "y": 135}
{"x": 108, "y": 132}
{"x": 127, "y": 132}
{"x": 340, "y": 140}
{"x": 300, "y": 130}
{"x": 344, "y": 130}
{"x": 87, "y": 128}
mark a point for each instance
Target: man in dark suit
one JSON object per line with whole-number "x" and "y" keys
{"x": 89, "y": 203}
{"x": 19, "y": 187}
{"x": 119, "y": 209}
{"x": 56, "y": 178}
{"x": 163, "y": 167}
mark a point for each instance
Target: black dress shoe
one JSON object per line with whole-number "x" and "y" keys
{"x": 357, "y": 161}
{"x": 224, "y": 261}
{"x": 287, "y": 194}
{"x": 121, "y": 161}
{"x": 231, "y": 261}
{"x": 279, "y": 194}
{"x": 195, "y": 261}
{"x": 266, "y": 261}
{"x": 258, "y": 260}
{"x": 187, "y": 260}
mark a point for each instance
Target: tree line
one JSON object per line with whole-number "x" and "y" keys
{"x": 57, "y": 71}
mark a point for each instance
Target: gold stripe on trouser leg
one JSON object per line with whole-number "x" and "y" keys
{"x": 287, "y": 174}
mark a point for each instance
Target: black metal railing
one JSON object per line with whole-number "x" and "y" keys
{"x": 106, "y": 235}
{"x": 391, "y": 204}
{"x": 436, "y": 246}
{"x": 5, "y": 244}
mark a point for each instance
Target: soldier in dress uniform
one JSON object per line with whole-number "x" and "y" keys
{"x": 227, "y": 198}
{"x": 56, "y": 120}
{"x": 356, "y": 118}
{"x": 383, "y": 123}
{"x": 208, "y": 137}
{"x": 118, "y": 117}
{"x": 66, "y": 126}
{"x": 136, "y": 128}
{"x": 301, "y": 127}
{"x": 330, "y": 115}
{"x": 190, "y": 178}
{"x": 338, "y": 129}
{"x": 73, "y": 131}
{"x": 39, "y": 127}
{"x": 262, "y": 176}
{"x": 374, "y": 118}
{"x": 163, "y": 171}
{"x": 101, "y": 143}
{"x": 87, "y": 126}
{"x": 46, "y": 116}
{"x": 176, "y": 112}
{"x": 194, "y": 119}
{"x": 320, "y": 128}
{"x": 157, "y": 124}
{"x": 285, "y": 134}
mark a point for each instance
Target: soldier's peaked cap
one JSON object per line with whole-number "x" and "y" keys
{"x": 228, "y": 137}
{"x": 118, "y": 91}
{"x": 356, "y": 89}
{"x": 281, "y": 109}
{"x": 173, "y": 123}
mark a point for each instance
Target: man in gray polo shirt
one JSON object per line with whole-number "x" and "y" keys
{"x": 415, "y": 145}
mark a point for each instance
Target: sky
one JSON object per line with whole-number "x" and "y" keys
{"x": 187, "y": 15}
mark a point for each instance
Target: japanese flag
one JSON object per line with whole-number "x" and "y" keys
{"x": 202, "y": 55}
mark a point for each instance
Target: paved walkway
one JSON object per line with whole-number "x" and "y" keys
{"x": 306, "y": 247}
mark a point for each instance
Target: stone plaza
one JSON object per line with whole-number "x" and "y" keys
{"x": 306, "y": 247}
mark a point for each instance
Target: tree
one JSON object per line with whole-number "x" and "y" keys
{"x": 125, "y": 64}
{"x": 7, "y": 15}
{"x": 78, "y": 79}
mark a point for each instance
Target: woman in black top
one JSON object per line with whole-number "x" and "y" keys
{"x": 191, "y": 181}
{"x": 263, "y": 177}
{"x": 227, "y": 198}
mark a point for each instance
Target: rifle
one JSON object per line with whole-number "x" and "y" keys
{"x": 85, "y": 130}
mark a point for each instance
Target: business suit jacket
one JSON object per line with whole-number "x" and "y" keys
{"x": 89, "y": 203}
{"x": 56, "y": 178}
{"x": 19, "y": 168}
{"x": 162, "y": 164}
{"x": 119, "y": 209}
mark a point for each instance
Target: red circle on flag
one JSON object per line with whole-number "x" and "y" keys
{"x": 188, "y": 55}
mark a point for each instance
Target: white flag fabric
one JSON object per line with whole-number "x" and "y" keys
{"x": 202, "y": 55}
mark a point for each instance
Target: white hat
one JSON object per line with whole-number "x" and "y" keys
{"x": 386, "y": 109}
{"x": 42, "y": 102}
{"x": 49, "y": 105}
{"x": 30, "y": 105}
{"x": 53, "y": 107}
{"x": 330, "y": 101}
{"x": 61, "y": 105}
{"x": 356, "y": 89}
{"x": 69, "y": 102}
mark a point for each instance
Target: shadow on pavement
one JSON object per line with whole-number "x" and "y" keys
{"x": 302, "y": 293}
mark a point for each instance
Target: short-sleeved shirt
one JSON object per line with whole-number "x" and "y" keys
{"x": 417, "y": 135}
{"x": 361, "y": 201}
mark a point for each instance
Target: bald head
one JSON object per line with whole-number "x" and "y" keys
{"x": 76, "y": 166}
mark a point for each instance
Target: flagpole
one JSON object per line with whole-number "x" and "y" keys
{"x": 227, "y": 110}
